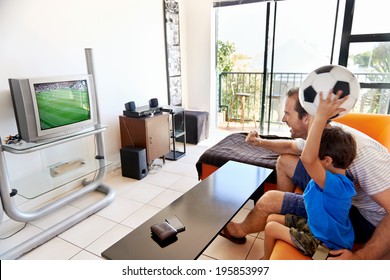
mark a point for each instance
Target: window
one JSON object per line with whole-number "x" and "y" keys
{"x": 365, "y": 49}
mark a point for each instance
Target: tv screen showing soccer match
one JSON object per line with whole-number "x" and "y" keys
{"x": 62, "y": 103}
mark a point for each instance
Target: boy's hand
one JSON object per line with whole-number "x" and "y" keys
{"x": 330, "y": 106}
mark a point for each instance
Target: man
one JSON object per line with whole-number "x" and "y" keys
{"x": 370, "y": 169}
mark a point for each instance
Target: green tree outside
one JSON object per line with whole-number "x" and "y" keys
{"x": 377, "y": 61}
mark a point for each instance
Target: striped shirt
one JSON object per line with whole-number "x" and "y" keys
{"x": 370, "y": 171}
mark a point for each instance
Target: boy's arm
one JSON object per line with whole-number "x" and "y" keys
{"x": 309, "y": 155}
{"x": 326, "y": 109}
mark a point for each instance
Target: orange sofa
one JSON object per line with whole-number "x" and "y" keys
{"x": 374, "y": 125}
{"x": 377, "y": 126}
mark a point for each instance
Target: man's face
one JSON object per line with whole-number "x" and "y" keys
{"x": 298, "y": 127}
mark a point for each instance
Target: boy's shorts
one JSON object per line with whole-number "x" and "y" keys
{"x": 301, "y": 235}
{"x": 293, "y": 204}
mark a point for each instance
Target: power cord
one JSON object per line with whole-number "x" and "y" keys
{"x": 12, "y": 139}
{"x": 12, "y": 234}
{"x": 154, "y": 167}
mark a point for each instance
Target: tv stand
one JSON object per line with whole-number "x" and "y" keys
{"x": 12, "y": 211}
{"x": 65, "y": 167}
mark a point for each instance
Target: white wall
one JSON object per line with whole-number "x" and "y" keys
{"x": 48, "y": 37}
{"x": 196, "y": 24}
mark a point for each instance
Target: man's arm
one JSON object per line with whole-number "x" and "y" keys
{"x": 275, "y": 145}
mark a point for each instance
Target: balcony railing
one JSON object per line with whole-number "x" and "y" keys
{"x": 267, "y": 102}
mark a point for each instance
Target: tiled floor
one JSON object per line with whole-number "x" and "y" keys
{"x": 135, "y": 202}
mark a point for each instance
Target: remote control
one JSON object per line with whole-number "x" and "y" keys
{"x": 176, "y": 223}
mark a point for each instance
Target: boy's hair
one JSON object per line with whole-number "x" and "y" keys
{"x": 339, "y": 145}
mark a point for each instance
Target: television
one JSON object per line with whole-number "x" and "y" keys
{"x": 47, "y": 108}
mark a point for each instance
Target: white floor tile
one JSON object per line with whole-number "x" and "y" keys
{"x": 84, "y": 255}
{"x": 178, "y": 167}
{"x": 87, "y": 200}
{"x": 184, "y": 184}
{"x": 87, "y": 231}
{"x": 257, "y": 250}
{"x": 54, "y": 249}
{"x": 17, "y": 236}
{"x": 162, "y": 179}
{"x": 223, "y": 249}
{"x": 107, "y": 239}
{"x": 121, "y": 184}
{"x": 205, "y": 258}
{"x": 55, "y": 217}
{"x": 140, "y": 216}
{"x": 119, "y": 209}
{"x": 189, "y": 159}
{"x": 9, "y": 227}
{"x": 165, "y": 198}
{"x": 143, "y": 192}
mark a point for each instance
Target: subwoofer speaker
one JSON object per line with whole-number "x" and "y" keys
{"x": 133, "y": 161}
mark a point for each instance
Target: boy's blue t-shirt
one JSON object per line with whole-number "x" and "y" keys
{"x": 328, "y": 211}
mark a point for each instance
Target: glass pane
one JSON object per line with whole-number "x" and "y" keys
{"x": 371, "y": 17}
{"x": 244, "y": 26}
{"x": 303, "y": 39}
{"x": 370, "y": 57}
{"x": 370, "y": 63}
{"x": 374, "y": 101}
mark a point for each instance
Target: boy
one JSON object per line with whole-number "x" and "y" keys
{"x": 328, "y": 196}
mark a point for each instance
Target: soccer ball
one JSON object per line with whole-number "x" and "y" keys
{"x": 324, "y": 79}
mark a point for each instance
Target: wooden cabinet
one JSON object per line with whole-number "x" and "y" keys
{"x": 150, "y": 132}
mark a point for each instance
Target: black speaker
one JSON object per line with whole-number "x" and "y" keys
{"x": 153, "y": 102}
{"x": 130, "y": 106}
{"x": 133, "y": 161}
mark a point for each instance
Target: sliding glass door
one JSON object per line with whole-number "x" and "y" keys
{"x": 276, "y": 44}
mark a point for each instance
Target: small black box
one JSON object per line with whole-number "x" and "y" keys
{"x": 197, "y": 126}
{"x": 133, "y": 161}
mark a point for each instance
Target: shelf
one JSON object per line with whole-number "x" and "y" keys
{"x": 50, "y": 178}
{"x": 178, "y": 133}
{"x": 27, "y": 147}
{"x": 172, "y": 109}
{"x": 174, "y": 155}
{"x": 44, "y": 181}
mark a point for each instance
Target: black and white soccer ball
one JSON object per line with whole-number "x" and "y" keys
{"x": 324, "y": 79}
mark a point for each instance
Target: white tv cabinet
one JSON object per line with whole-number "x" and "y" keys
{"x": 8, "y": 194}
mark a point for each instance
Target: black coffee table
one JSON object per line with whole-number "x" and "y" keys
{"x": 204, "y": 210}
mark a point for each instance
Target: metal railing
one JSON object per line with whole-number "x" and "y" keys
{"x": 374, "y": 97}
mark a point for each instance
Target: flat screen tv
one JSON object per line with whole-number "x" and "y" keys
{"x": 53, "y": 107}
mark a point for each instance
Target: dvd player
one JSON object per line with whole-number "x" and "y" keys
{"x": 142, "y": 111}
